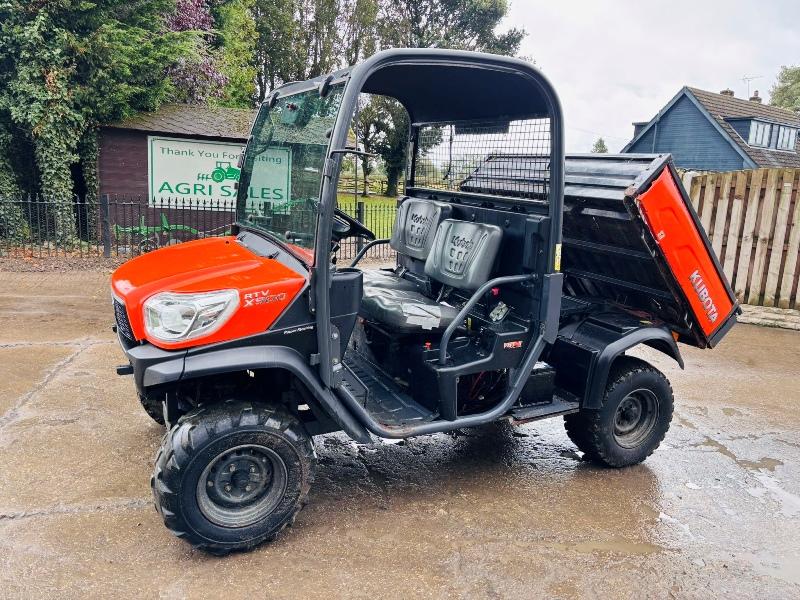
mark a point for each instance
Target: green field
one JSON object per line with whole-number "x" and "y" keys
{"x": 379, "y": 211}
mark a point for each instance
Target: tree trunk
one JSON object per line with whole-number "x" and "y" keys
{"x": 365, "y": 172}
{"x": 392, "y": 175}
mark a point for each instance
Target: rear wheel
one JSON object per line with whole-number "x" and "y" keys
{"x": 633, "y": 419}
{"x": 232, "y": 476}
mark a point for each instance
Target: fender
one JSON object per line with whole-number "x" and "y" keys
{"x": 269, "y": 357}
{"x": 584, "y": 352}
{"x": 655, "y": 337}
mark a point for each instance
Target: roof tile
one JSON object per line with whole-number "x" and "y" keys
{"x": 203, "y": 121}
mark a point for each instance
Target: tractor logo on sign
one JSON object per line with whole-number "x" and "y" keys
{"x": 224, "y": 170}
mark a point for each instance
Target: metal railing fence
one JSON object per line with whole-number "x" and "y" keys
{"x": 37, "y": 227}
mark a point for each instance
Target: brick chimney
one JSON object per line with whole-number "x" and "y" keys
{"x": 727, "y": 92}
{"x": 756, "y": 98}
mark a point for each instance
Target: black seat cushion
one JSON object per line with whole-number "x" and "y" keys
{"x": 387, "y": 280}
{"x": 406, "y": 311}
{"x": 462, "y": 257}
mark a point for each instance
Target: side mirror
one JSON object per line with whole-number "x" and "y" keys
{"x": 325, "y": 86}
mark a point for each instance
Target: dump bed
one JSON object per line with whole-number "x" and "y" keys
{"x": 631, "y": 236}
{"x": 632, "y": 239}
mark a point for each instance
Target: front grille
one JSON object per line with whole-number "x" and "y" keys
{"x": 121, "y": 316}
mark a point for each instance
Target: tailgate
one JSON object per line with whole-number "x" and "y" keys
{"x": 675, "y": 233}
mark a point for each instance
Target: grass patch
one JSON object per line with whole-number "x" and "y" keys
{"x": 379, "y": 211}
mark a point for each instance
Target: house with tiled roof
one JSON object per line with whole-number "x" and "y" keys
{"x": 718, "y": 132}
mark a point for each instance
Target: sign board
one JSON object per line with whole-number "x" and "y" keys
{"x": 194, "y": 171}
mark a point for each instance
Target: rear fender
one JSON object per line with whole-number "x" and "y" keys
{"x": 275, "y": 357}
{"x": 655, "y": 337}
{"x": 583, "y": 356}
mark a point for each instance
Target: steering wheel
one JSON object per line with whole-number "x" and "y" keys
{"x": 345, "y": 226}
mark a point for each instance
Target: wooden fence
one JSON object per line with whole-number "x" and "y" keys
{"x": 753, "y": 221}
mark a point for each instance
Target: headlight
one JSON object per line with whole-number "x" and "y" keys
{"x": 172, "y": 317}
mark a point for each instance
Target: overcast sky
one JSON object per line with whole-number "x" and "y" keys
{"x": 615, "y": 62}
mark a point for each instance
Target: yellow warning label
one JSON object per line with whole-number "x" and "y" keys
{"x": 557, "y": 261}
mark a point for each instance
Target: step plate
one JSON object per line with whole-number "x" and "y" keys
{"x": 558, "y": 406}
{"x": 380, "y": 395}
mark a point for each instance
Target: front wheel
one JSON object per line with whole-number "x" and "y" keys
{"x": 633, "y": 419}
{"x": 233, "y": 475}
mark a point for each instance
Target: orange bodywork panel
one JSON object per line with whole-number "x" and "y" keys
{"x": 266, "y": 286}
{"x": 686, "y": 252}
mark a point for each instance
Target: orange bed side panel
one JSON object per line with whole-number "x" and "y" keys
{"x": 684, "y": 249}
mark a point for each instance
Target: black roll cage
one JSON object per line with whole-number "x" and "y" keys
{"x": 356, "y": 78}
{"x": 543, "y": 102}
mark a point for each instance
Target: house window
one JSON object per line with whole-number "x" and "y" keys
{"x": 759, "y": 134}
{"x": 787, "y": 137}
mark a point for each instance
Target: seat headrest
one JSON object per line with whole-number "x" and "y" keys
{"x": 463, "y": 253}
{"x": 416, "y": 225}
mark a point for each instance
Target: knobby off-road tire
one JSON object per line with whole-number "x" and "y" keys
{"x": 233, "y": 475}
{"x": 634, "y": 417}
{"x": 154, "y": 408}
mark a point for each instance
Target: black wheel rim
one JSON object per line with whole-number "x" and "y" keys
{"x": 241, "y": 486}
{"x": 635, "y": 418}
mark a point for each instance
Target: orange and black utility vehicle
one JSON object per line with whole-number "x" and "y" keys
{"x": 523, "y": 276}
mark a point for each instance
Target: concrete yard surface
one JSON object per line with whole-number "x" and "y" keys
{"x": 494, "y": 512}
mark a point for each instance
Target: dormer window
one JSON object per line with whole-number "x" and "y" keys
{"x": 787, "y": 138}
{"x": 760, "y": 134}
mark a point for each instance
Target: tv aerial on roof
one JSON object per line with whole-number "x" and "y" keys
{"x": 746, "y": 79}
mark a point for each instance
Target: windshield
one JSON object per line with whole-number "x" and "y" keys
{"x": 282, "y": 173}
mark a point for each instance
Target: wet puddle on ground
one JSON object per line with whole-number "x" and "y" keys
{"x": 618, "y": 546}
{"x": 764, "y": 463}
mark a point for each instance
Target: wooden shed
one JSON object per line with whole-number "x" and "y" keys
{"x": 177, "y": 146}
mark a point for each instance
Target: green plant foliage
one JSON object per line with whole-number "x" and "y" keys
{"x": 786, "y": 91}
{"x": 12, "y": 222}
{"x": 68, "y": 65}
{"x": 599, "y": 146}
{"x": 237, "y": 34}
{"x": 460, "y": 24}
{"x": 88, "y": 153}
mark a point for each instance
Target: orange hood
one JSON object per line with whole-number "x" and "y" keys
{"x": 205, "y": 266}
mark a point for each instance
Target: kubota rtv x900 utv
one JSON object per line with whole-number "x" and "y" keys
{"x": 522, "y": 278}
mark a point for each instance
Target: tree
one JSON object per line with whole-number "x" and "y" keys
{"x": 359, "y": 26}
{"x": 786, "y": 91}
{"x": 599, "y": 146}
{"x": 461, "y": 24}
{"x": 197, "y": 76}
{"x": 297, "y": 40}
{"x": 275, "y": 59}
{"x": 370, "y": 136}
{"x": 237, "y": 38}
{"x": 67, "y": 66}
